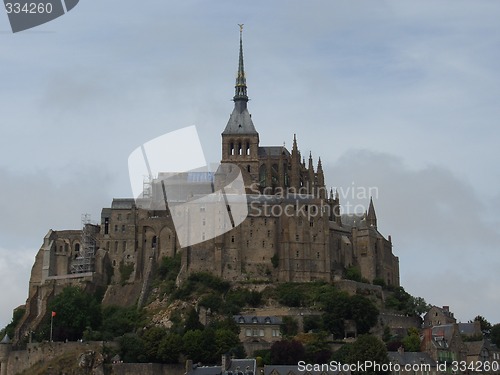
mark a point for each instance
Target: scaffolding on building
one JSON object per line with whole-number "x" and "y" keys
{"x": 84, "y": 262}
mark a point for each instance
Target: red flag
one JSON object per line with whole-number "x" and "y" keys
{"x": 53, "y": 313}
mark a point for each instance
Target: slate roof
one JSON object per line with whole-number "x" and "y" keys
{"x": 442, "y": 335}
{"x": 273, "y": 151}
{"x": 294, "y": 369}
{"x": 252, "y": 319}
{"x": 410, "y": 358}
{"x": 236, "y": 367}
{"x": 240, "y": 121}
{"x": 469, "y": 329}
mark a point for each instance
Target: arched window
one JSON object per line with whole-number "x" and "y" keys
{"x": 231, "y": 148}
{"x": 153, "y": 242}
{"x": 77, "y": 247}
{"x": 248, "y": 168}
{"x": 248, "y": 148}
{"x": 239, "y": 149}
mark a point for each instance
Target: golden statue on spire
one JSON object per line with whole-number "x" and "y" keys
{"x": 241, "y": 27}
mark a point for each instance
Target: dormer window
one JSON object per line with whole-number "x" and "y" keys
{"x": 255, "y": 320}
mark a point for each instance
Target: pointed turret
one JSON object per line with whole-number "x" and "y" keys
{"x": 295, "y": 165}
{"x": 311, "y": 178}
{"x": 321, "y": 192}
{"x": 371, "y": 217}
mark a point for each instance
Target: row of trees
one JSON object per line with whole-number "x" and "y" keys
{"x": 316, "y": 350}
{"x": 194, "y": 341}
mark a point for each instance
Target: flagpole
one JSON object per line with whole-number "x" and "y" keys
{"x": 51, "y": 325}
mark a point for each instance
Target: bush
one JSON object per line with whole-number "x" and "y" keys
{"x": 125, "y": 272}
{"x": 169, "y": 268}
{"x": 353, "y": 273}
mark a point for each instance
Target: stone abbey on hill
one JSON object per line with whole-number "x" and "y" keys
{"x": 308, "y": 240}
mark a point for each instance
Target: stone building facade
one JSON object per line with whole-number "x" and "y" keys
{"x": 294, "y": 231}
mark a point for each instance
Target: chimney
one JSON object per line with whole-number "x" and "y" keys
{"x": 226, "y": 362}
{"x": 189, "y": 366}
{"x": 446, "y": 308}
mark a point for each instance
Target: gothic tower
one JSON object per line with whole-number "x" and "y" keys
{"x": 240, "y": 140}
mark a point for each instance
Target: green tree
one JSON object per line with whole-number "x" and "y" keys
{"x": 116, "y": 321}
{"x": 317, "y": 349}
{"x": 353, "y": 273}
{"x": 169, "y": 267}
{"x": 364, "y": 313}
{"x": 131, "y": 348}
{"x": 289, "y": 326}
{"x": 343, "y": 354}
{"x": 495, "y": 334}
{"x": 170, "y": 348}
{"x": 411, "y": 342}
{"x": 152, "y": 338}
{"x": 193, "y": 321}
{"x": 287, "y": 352}
{"x": 485, "y": 325}
{"x": 227, "y": 341}
{"x": 368, "y": 348}
{"x": 333, "y": 324}
{"x": 10, "y": 328}
{"x": 75, "y": 311}
{"x": 192, "y": 345}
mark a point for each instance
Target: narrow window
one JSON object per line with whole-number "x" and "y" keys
{"x": 106, "y": 225}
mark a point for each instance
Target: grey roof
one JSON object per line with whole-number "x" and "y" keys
{"x": 5, "y": 340}
{"x": 236, "y": 367}
{"x": 206, "y": 370}
{"x": 469, "y": 329}
{"x": 240, "y": 121}
{"x": 273, "y": 151}
{"x": 442, "y": 335}
{"x": 404, "y": 358}
{"x": 242, "y": 365}
{"x": 252, "y": 319}
{"x": 294, "y": 369}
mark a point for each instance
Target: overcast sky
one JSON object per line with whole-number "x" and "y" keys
{"x": 397, "y": 95}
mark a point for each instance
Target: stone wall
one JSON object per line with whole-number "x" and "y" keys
{"x": 147, "y": 369}
{"x": 20, "y": 360}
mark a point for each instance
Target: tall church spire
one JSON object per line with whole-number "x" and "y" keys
{"x": 240, "y": 89}
{"x": 240, "y": 121}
